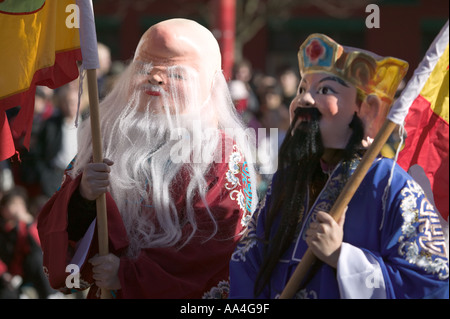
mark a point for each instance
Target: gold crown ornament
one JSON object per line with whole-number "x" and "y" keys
{"x": 365, "y": 70}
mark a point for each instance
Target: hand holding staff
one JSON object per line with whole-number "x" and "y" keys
{"x": 102, "y": 222}
{"x": 88, "y": 42}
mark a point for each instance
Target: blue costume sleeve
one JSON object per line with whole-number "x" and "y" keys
{"x": 412, "y": 255}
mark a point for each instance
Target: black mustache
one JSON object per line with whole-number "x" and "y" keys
{"x": 310, "y": 113}
{"x": 313, "y": 111}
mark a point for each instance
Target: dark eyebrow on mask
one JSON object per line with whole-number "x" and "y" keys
{"x": 336, "y": 79}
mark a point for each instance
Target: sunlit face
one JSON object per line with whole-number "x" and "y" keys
{"x": 173, "y": 57}
{"x": 13, "y": 209}
{"x": 335, "y": 100}
{"x": 160, "y": 87}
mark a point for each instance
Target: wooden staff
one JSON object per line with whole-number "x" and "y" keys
{"x": 97, "y": 150}
{"x": 341, "y": 203}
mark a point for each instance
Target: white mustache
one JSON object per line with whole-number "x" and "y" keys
{"x": 151, "y": 87}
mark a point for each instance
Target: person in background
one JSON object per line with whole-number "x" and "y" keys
{"x": 239, "y": 95}
{"x": 288, "y": 79}
{"x": 104, "y": 58}
{"x": 57, "y": 140}
{"x": 243, "y": 71}
{"x": 20, "y": 252}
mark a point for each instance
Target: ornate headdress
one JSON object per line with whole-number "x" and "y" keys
{"x": 365, "y": 70}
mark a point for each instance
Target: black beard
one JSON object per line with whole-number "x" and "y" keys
{"x": 303, "y": 143}
{"x": 298, "y": 160}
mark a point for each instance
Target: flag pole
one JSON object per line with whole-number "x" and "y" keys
{"x": 341, "y": 203}
{"x": 102, "y": 221}
{"x": 89, "y": 49}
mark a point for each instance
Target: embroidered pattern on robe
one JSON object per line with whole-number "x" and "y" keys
{"x": 242, "y": 196}
{"x": 422, "y": 242}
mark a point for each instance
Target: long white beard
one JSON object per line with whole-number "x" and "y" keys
{"x": 141, "y": 145}
{"x": 142, "y": 179}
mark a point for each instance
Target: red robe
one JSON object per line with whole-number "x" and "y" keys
{"x": 199, "y": 269}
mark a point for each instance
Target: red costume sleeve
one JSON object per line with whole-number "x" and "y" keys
{"x": 57, "y": 249}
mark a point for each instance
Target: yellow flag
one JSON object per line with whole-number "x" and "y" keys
{"x": 40, "y": 46}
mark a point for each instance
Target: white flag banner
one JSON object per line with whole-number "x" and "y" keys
{"x": 88, "y": 35}
{"x": 399, "y": 110}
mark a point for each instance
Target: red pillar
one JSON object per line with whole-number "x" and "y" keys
{"x": 224, "y": 28}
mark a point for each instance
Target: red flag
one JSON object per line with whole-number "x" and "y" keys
{"x": 426, "y": 124}
{"x": 40, "y": 46}
{"x": 7, "y": 144}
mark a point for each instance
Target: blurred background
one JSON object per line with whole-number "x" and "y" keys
{"x": 268, "y": 32}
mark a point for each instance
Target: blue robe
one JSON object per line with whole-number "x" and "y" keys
{"x": 397, "y": 232}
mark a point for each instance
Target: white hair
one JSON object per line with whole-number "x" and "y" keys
{"x": 145, "y": 144}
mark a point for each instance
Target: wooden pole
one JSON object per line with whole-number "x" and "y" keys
{"x": 97, "y": 151}
{"x": 339, "y": 206}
